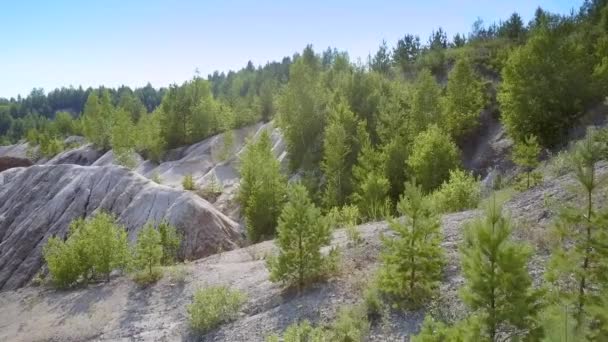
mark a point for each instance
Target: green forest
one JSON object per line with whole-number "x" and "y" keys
{"x": 374, "y": 140}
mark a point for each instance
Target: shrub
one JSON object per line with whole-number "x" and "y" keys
{"x": 461, "y": 192}
{"x": 525, "y": 155}
{"x": 156, "y": 178}
{"x": 93, "y": 248}
{"x": 372, "y": 299}
{"x": 212, "y": 306}
{"x": 188, "y": 182}
{"x": 144, "y": 278}
{"x": 300, "y": 332}
{"x": 350, "y": 325}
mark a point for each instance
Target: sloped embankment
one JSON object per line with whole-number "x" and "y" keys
{"x": 40, "y": 201}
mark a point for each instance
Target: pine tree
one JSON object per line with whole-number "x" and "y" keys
{"x": 301, "y": 233}
{"x": 412, "y": 260}
{"x": 525, "y": 154}
{"x": 123, "y": 139}
{"x": 170, "y": 241}
{"x": 425, "y": 102}
{"x": 463, "y": 102}
{"x": 337, "y": 155}
{"x": 371, "y": 185}
{"x": 497, "y": 283}
{"x": 148, "y": 249}
{"x": 433, "y": 155}
{"x": 262, "y": 188}
{"x": 580, "y": 261}
{"x": 97, "y": 119}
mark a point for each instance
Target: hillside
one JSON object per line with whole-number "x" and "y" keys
{"x": 157, "y": 313}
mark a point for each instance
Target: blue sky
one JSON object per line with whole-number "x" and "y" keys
{"x": 60, "y": 43}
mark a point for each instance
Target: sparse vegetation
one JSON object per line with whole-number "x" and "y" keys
{"x": 460, "y": 192}
{"x": 188, "y": 183}
{"x": 212, "y": 306}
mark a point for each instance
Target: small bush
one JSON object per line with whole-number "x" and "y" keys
{"x": 372, "y": 299}
{"x": 300, "y": 332}
{"x": 188, "y": 183}
{"x": 460, "y": 192}
{"x": 147, "y": 277}
{"x": 213, "y": 305}
{"x": 177, "y": 274}
{"x": 350, "y": 325}
{"x": 148, "y": 254}
{"x": 156, "y": 178}
{"x": 211, "y": 191}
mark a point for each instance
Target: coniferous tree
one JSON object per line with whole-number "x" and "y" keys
{"x": 425, "y": 102}
{"x": 170, "y": 241}
{"x": 122, "y": 139}
{"x": 432, "y": 157}
{"x": 580, "y": 261}
{"x": 525, "y": 154}
{"x": 301, "y": 233}
{"x": 464, "y": 100}
{"x": 338, "y": 146}
{"x": 412, "y": 260}
{"x": 148, "y": 249}
{"x": 262, "y": 188}
{"x": 497, "y": 284}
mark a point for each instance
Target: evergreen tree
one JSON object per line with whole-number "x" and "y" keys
{"x": 412, "y": 260}
{"x": 98, "y": 118}
{"x": 340, "y": 135}
{"x": 122, "y": 139}
{"x": 433, "y": 156}
{"x": 497, "y": 284}
{"x": 425, "y": 102}
{"x": 371, "y": 191}
{"x": 464, "y": 100}
{"x": 579, "y": 263}
{"x": 262, "y": 188}
{"x": 407, "y": 50}
{"x": 381, "y": 62}
{"x": 301, "y": 233}
{"x": 148, "y": 249}
{"x": 302, "y": 113}
{"x": 525, "y": 155}
{"x": 170, "y": 241}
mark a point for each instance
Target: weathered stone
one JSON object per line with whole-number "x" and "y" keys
{"x": 40, "y": 201}
{"x": 11, "y": 162}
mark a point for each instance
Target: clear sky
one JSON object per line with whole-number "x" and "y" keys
{"x": 57, "y": 43}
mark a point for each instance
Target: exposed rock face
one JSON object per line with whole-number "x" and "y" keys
{"x": 40, "y": 201}
{"x": 84, "y": 155}
{"x": 11, "y": 162}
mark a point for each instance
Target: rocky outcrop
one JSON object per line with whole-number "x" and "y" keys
{"x": 84, "y": 155}
{"x": 11, "y": 162}
{"x": 40, "y": 201}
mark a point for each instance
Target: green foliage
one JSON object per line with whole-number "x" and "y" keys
{"x": 463, "y": 102}
{"x": 425, "y": 102}
{"x": 122, "y": 139}
{"x": 262, "y": 189}
{"x": 338, "y": 155}
{"x": 302, "y": 114}
{"x": 188, "y": 183}
{"x": 579, "y": 263}
{"x": 98, "y": 119}
{"x": 300, "y": 332}
{"x": 351, "y": 325}
{"x": 433, "y": 156}
{"x": 525, "y": 155}
{"x": 301, "y": 233}
{"x": 497, "y": 284}
{"x": 212, "y": 306}
{"x": 150, "y": 141}
{"x": 170, "y": 241}
{"x": 463, "y": 331}
{"x": 148, "y": 250}
{"x": 412, "y": 261}
{"x": 460, "y": 192}
{"x": 546, "y": 85}
{"x": 93, "y": 248}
